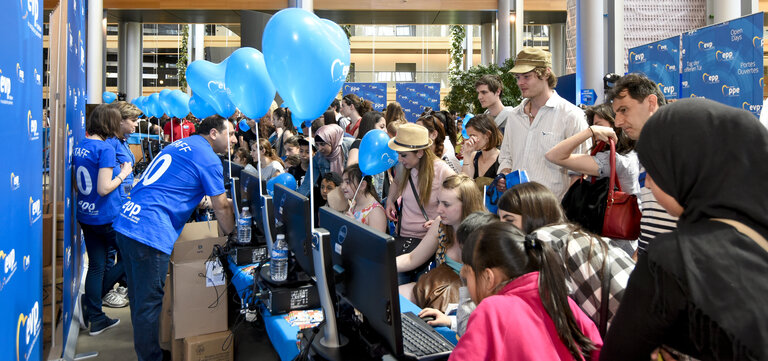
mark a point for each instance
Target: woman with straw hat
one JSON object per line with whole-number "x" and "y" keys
{"x": 418, "y": 173}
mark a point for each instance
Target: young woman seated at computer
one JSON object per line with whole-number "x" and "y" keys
{"x": 523, "y": 310}
{"x": 456, "y": 199}
{"x": 364, "y": 203}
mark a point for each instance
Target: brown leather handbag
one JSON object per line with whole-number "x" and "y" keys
{"x": 437, "y": 288}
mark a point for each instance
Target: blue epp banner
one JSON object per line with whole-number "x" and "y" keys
{"x": 660, "y": 62}
{"x": 413, "y": 97}
{"x": 375, "y": 92}
{"x": 21, "y": 89}
{"x": 724, "y": 62}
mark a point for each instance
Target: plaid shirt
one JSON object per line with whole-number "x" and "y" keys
{"x": 583, "y": 261}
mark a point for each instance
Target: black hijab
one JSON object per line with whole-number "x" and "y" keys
{"x": 713, "y": 159}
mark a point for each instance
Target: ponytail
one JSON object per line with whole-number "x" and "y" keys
{"x": 554, "y": 296}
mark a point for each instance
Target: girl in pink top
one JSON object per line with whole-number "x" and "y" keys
{"x": 523, "y": 311}
{"x": 362, "y": 197}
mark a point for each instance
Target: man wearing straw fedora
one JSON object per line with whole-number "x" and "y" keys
{"x": 538, "y": 123}
{"x": 419, "y": 175}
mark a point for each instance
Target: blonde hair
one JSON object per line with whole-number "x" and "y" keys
{"x": 426, "y": 175}
{"x": 269, "y": 152}
{"x": 470, "y": 197}
{"x": 128, "y": 110}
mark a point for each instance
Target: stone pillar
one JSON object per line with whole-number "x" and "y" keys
{"x": 486, "y": 43}
{"x": 590, "y": 57}
{"x": 129, "y": 59}
{"x": 557, "y": 47}
{"x": 95, "y": 51}
{"x": 502, "y": 23}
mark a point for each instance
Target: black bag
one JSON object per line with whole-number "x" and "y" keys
{"x": 586, "y": 200}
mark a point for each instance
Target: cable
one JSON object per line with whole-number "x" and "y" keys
{"x": 305, "y": 351}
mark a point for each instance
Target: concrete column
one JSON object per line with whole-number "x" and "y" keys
{"x": 252, "y": 24}
{"x": 304, "y": 4}
{"x": 615, "y": 55}
{"x": 129, "y": 59}
{"x": 95, "y": 51}
{"x": 590, "y": 56}
{"x": 516, "y": 44}
{"x": 725, "y": 10}
{"x": 502, "y": 23}
{"x": 469, "y": 46}
{"x": 486, "y": 43}
{"x": 557, "y": 47}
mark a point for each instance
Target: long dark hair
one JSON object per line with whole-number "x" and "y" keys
{"x": 502, "y": 246}
{"x": 329, "y": 117}
{"x": 368, "y": 123}
{"x": 449, "y": 123}
{"x": 432, "y": 123}
{"x": 535, "y": 203}
{"x": 355, "y": 176}
{"x": 285, "y": 113}
{"x": 361, "y": 106}
{"x": 625, "y": 144}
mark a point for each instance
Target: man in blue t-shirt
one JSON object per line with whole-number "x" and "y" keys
{"x": 151, "y": 220}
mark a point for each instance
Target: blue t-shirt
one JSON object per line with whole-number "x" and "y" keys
{"x": 124, "y": 154}
{"x": 88, "y": 157}
{"x": 169, "y": 190}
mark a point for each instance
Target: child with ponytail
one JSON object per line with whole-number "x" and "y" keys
{"x": 364, "y": 203}
{"x": 523, "y": 310}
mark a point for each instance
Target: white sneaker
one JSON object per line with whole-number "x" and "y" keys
{"x": 123, "y": 291}
{"x": 114, "y": 299}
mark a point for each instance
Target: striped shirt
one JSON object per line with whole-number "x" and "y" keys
{"x": 655, "y": 220}
{"x": 525, "y": 142}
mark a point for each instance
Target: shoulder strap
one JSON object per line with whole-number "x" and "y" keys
{"x": 418, "y": 200}
{"x": 745, "y": 230}
{"x": 604, "y": 296}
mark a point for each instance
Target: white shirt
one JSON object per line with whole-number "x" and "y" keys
{"x": 501, "y": 118}
{"x": 525, "y": 143}
{"x": 449, "y": 156}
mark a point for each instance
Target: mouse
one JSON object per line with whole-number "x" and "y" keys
{"x": 428, "y": 318}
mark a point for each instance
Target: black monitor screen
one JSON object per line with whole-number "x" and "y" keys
{"x": 292, "y": 210}
{"x": 369, "y": 278}
{"x": 236, "y": 170}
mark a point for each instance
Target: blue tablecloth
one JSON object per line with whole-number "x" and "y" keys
{"x": 281, "y": 334}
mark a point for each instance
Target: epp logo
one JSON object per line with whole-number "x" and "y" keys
{"x": 38, "y": 78}
{"x": 731, "y": 91}
{"x": 338, "y": 67}
{"x": 9, "y": 266}
{"x": 706, "y": 46}
{"x": 670, "y": 67}
{"x": 35, "y": 210}
{"x": 32, "y": 130}
{"x": 342, "y": 235}
{"x": 636, "y": 58}
{"x": 754, "y": 108}
{"x": 15, "y": 183}
{"x": 710, "y": 78}
{"x": 20, "y": 73}
{"x": 757, "y": 42}
{"x": 724, "y": 56}
{"x": 25, "y": 261}
{"x": 5, "y": 87}
{"x": 761, "y": 81}
{"x": 666, "y": 89}
{"x": 685, "y": 84}
{"x": 661, "y": 47}
{"x": 32, "y": 8}
{"x": 31, "y": 324}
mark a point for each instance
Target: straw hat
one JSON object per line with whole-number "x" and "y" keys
{"x": 410, "y": 137}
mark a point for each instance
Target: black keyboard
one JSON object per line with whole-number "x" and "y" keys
{"x": 420, "y": 339}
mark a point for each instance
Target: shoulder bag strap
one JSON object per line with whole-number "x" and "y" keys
{"x": 604, "y": 296}
{"x": 418, "y": 200}
{"x": 614, "y": 182}
{"x": 745, "y": 230}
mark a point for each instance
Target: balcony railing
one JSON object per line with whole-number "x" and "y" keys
{"x": 392, "y": 77}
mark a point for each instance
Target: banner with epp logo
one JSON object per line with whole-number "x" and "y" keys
{"x": 413, "y": 97}
{"x": 660, "y": 62}
{"x": 21, "y": 63}
{"x": 724, "y": 62}
{"x": 374, "y": 92}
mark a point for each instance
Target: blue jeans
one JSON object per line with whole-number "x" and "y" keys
{"x": 145, "y": 268}
{"x": 98, "y": 281}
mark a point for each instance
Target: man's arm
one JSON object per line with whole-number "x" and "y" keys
{"x": 222, "y": 207}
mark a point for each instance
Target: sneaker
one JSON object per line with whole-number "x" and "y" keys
{"x": 123, "y": 291}
{"x": 114, "y": 299}
{"x": 98, "y": 328}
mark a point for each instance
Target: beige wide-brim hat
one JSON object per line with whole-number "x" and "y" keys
{"x": 531, "y": 58}
{"x": 410, "y": 137}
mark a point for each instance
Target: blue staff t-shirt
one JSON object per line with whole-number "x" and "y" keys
{"x": 169, "y": 190}
{"x": 124, "y": 154}
{"x": 87, "y": 158}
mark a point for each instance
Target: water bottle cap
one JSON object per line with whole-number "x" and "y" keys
{"x": 280, "y": 236}
{"x": 245, "y": 209}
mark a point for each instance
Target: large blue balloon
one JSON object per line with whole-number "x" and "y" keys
{"x": 375, "y": 156}
{"x": 306, "y": 59}
{"x": 155, "y": 107}
{"x": 207, "y": 81}
{"x": 248, "y": 83}
{"x": 200, "y": 108}
{"x": 165, "y": 102}
{"x": 178, "y": 103}
{"x": 285, "y": 179}
{"x": 108, "y": 97}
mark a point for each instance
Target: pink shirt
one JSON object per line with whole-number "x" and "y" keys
{"x": 513, "y": 325}
{"x": 412, "y": 218}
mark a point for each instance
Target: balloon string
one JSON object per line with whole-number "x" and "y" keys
{"x": 358, "y": 189}
{"x": 229, "y": 151}
{"x": 258, "y": 144}
{"x": 311, "y": 184}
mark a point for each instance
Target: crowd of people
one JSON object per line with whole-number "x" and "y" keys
{"x": 525, "y": 283}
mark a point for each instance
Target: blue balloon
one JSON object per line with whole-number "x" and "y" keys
{"x": 207, "y": 80}
{"x": 248, "y": 83}
{"x": 108, "y": 97}
{"x": 464, "y": 125}
{"x": 165, "y": 102}
{"x": 178, "y": 103}
{"x": 306, "y": 59}
{"x": 285, "y": 179}
{"x": 243, "y": 125}
{"x": 375, "y": 155}
{"x": 155, "y": 108}
{"x": 199, "y": 107}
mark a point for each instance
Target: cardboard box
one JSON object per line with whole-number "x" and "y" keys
{"x": 177, "y": 349}
{"x": 212, "y": 347}
{"x": 165, "y": 313}
{"x": 199, "y": 306}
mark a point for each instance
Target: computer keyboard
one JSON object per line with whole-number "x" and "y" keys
{"x": 420, "y": 339}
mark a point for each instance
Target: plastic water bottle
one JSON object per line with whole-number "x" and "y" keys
{"x": 244, "y": 227}
{"x": 278, "y": 269}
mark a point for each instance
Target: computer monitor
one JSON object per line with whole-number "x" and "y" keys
{"x": 236, "y": 170}
{"x": 249, "y": 184}
{"x": 365, "y": 259}
{"x": 292, "y": 211}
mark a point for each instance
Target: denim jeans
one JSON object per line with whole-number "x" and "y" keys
{"x": 145, "y": 268}
{"x": 98, "y": 281}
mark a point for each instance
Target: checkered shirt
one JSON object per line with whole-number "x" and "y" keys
{"x": 583, "y": 261}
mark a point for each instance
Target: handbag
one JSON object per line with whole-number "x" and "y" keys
{"x": 437, "y": 288}
{"x": 599, "y": 207}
